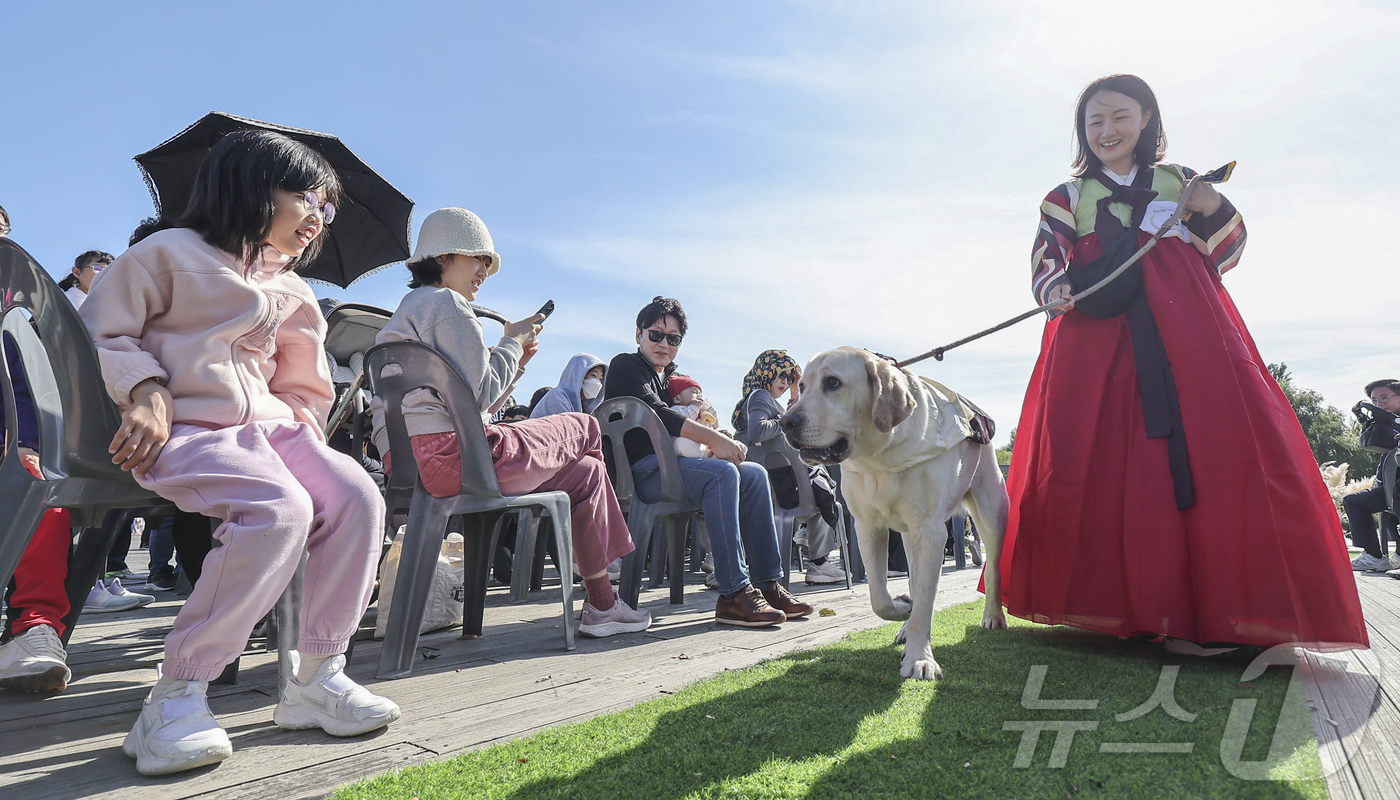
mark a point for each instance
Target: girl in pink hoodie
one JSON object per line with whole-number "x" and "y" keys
{"x": 213, "y": 348}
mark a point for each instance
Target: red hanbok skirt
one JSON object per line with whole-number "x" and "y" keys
{"x": 1095, "y": 539}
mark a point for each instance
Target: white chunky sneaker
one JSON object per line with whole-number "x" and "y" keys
{"x": 175, "y": 731}
{"x": 827, "y": 572}
{"x": 333, "y": 703}
{"x": 618, "y": 618}
{"x": 35, "y": 661}
{"x": 1369, "y": 563}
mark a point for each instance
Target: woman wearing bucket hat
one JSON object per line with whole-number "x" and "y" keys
{"x": 562, "y": 452}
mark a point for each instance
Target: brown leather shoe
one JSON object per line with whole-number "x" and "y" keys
{"x": 747, "y": 608}
{"x": 780, "y": 598}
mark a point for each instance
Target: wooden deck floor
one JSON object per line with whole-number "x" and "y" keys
{"x": 518, "y": 679}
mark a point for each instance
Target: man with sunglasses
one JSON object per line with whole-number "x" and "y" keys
{"x": 1362, "y": 506}
{"x": 735, "y": 494}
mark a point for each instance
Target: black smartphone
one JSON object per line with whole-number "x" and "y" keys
{"x": 546, "y": 310}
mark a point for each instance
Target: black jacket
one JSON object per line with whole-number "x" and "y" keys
{"x": 631, "y": 375}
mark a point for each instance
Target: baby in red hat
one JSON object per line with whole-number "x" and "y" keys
{"x": 686, "y": 398}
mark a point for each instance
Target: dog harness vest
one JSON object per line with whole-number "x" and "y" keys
{"x": 954, "y": 419}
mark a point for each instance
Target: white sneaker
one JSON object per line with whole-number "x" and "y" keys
{"x": 619, "y": 618}
{"x": 176, "y": 731}
{"x": 615, "y": 571}
{"x": 827, "y": 572}
{"x": 116, "y": 588}
{"x": 1394, "y": 561}
{"x": 333, "y": 703}
{"x": 1369, "y": 563}
{"x": 1394, "y": 573}
{"x": 102, "y": 601}
{"x": 35, "y": 661}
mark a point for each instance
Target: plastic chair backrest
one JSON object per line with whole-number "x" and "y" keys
{"x": 618, "y": 416}
{"x": 422, "y": 367}
{"x": 351, "y": 328}
{"x": 77, "y": 419}
{"x": 776, "y": 453}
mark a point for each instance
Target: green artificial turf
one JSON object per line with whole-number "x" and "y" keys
{"x": 839, "y": 722}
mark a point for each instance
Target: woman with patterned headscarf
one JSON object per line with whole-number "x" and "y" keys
{"x": 756, "y": 420}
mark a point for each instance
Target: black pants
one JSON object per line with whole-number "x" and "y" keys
{"x": 1361, "y": 508}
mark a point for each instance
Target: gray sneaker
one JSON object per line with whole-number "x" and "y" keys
{"x": 620, "y": 618}
{"x": 1394, "y": 561}
{"x": 1369, "y": 563}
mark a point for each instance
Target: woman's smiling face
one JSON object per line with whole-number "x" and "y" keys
{"x": 294, "y": 225}
{"x": 1113, "y": 123}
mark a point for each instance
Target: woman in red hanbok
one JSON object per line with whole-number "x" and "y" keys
{"x": 1160, "y": 483}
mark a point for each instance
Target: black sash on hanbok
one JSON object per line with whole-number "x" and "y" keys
{"x": 1161, "y": 411}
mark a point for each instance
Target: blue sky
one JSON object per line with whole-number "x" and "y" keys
{"x": 799, "y": 175}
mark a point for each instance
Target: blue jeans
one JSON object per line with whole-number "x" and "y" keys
{"x": 738, "y": 513}
{"x": 162, "y": 542}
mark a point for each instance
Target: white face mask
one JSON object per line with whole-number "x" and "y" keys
{"x": 591, "y": 388}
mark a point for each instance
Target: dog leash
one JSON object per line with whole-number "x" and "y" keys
{"x": 1215, "y": 176}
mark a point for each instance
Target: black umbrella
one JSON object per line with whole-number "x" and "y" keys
{"x": 371, "y": 222}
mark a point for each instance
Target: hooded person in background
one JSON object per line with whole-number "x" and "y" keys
{"x": 580, "y": 388}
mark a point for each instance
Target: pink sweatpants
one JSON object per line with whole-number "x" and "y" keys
{"x": 560, "y": 452}
{"x": 280, "y": 490}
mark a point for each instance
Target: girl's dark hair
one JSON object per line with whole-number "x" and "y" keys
{"x": 658, "y": 309}
{"x": 425, "y": 272}
{"x": 1152, "y": 142}
{"x": 68, "y": 282}
{"x": 231, "y": 205}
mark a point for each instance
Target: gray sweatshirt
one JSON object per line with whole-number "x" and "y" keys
{"x": 442, "y": 319}
{"x": 761, "y": 412}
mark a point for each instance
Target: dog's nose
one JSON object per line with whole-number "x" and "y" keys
{"x": 790, "y": 422}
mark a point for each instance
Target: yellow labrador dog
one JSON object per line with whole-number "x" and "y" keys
{"x": 905, "y": 465}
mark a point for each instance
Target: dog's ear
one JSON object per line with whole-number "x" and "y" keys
{"x": 891, "y": 402}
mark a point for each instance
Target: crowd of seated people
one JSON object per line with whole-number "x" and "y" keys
{"x": 248, "y": 450}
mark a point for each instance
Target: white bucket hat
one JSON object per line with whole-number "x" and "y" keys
{"x": 455, "y": 230}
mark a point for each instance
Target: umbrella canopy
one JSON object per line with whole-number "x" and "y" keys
{"x": 372, "y": 220}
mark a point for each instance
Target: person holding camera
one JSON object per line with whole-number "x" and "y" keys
{"x": 1361, "y": 507}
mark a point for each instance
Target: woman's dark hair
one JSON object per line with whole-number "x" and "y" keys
{"x": 538, "y": 396}
{"x": 92, "y": 257}
{"x": 658, "y": 309}
{"x": 1389, "y": 383}
{"x": 87, "y": 259}
{"x": 425, "y": 272}
{"x": 1152, "y": 142}
{"x": 232, "y": 201}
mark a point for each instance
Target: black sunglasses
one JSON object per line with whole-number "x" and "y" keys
{"x": 673, "y": 339}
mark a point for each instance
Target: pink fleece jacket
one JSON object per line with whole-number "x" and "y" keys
{"x": 233, "y": 345}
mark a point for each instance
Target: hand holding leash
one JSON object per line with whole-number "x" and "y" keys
{"x": 1206, "y": 202}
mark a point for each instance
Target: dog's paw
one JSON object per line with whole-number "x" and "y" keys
{"x": 903, "y": 634}
{"x": 895, "y": 609}
{"x": 921, "y": 668}
{"x": 993, "y": 619}
{"x": 902, "y": 606}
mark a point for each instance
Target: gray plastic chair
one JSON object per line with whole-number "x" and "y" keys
{"x": 480, "y": 503}
{"x": 617, "y": 417}
{"x": 776, "y": 453}
{"x": 77, "y": 421}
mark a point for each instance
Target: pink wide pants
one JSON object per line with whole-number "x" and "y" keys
{"x": 560, "y": 452}
{"x": 280, "y": 491}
